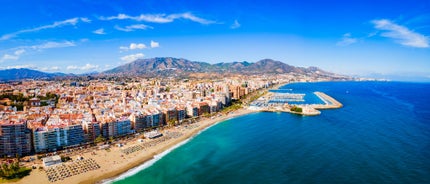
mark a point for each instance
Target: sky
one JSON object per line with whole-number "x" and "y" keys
{"x": 363, "y": 38}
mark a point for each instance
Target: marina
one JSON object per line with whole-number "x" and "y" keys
{"x": 279, "y": 102}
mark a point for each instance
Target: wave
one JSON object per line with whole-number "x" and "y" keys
{"x": 152, "y": 161}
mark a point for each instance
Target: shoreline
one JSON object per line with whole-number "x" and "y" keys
{"x": 114, "y": 163}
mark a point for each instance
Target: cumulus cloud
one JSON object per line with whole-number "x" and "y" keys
{"x": 160, "y": 18}
{"x": 72, "y": 22}
{"x": 137, "y": 46}
{"x": 133, "y": 27}
{"x": 85, "y": 67}
{"x": 100, "y": 31}
{"x": 132, "y": 57}
{"x": 235, "y": 25}
{"x": 346, "y": 40}
{"x": 401, "y": 34}
{"x": 154, "y": 44}
{"x": 133, "y": 46}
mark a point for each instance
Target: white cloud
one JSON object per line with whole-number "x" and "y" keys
{"x": 90, "y": 67}
{"x": 132, "y": 57}
{"x": 52, "y": 68}
{"x": 84, "y": 40}
{"x": 9, "y": 57}
{"x": 22, "y": 49}
{"x": 19, "y": 52}
{"x": 84, "y": 19}
{"x": 133, "y": 46}
{"x": 191, "y": 17}
{"x": 72, "y": 21}
{"x": 235, "y": 25}
{"x": 154, "y": 44}
{"x": 50, "y": 45}
{"x": 72, "y": 67}
{"x": 401, "y": 34}
{"x": 123, "y": 48}
{"x": 85, "y": 67}
{"x": 100, "y": 31}
{"x": 14, "y": 56}
{"x": 133, "y": 27}
{"x": 160, "y": 18}
{"x": 19, "y": 66}
{"x": 137, "y": 46}
{"x": 346, "y": 40}
{"x": 155, "y": 18}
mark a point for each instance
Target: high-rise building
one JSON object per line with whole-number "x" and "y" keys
{"x": 15, "y": 139}
{"x": 116, "y": 127}
{"x": 47, "y": 139}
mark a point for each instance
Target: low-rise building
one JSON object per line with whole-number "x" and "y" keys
{"x": 50, "y": 161}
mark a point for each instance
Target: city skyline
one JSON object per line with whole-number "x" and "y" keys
{"x": 354, "y": 38}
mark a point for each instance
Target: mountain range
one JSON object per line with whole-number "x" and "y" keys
{"x": 169, "y": 65}
{"x": 173, "y": 67}
{"x": 24, "y": 73}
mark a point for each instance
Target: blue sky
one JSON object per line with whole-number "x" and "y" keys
{"x": 348, "y": 37}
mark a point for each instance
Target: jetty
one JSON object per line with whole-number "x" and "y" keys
{"x": 329, "y": 102}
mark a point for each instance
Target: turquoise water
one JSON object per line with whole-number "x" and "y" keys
{"x": 381, "y": 135}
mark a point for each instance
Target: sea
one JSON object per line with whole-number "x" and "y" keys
{"x": 380, "y": 135}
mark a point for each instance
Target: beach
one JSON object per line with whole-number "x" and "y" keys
{"x": 114, "y": 161}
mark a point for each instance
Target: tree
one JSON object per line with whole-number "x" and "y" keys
{"x": 99, "y": 139}
{"x": 13, "y": 170}
{"x": 171, "y": 122}
{"x": 296, "y": 109}
{"x": 65, "y": 158}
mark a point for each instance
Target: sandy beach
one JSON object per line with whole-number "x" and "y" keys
{"x": 115, "y": 162}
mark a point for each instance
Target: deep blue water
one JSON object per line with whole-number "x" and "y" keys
{"x": 381, "y": 135}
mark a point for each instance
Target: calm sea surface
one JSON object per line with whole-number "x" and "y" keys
{"x": 381, "y": 135}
